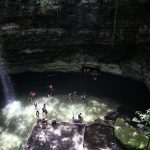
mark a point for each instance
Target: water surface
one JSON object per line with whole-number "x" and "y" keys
{"x": 103, "y": 95}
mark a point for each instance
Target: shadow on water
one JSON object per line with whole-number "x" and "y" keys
{"x": 124, "y": 91}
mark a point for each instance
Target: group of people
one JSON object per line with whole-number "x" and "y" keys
{"x": 93, "y": 72}
{"x": 44, "y": 112}
{"x": 32, "y": 100}
{"x": 32, "y": 97}
{"x": 33, "y": 94}
{"x": 72, "y": 96}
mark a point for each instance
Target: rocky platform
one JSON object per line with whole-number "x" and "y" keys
{"x": 59, "y": 136}
{"x": 99, "y": 136}
{"x": 72, "y": 136}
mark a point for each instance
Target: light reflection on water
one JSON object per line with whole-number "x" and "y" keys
{"x": 17, "y": 118}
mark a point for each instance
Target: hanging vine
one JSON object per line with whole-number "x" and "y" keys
{"x": 59, "y": 14}
{"x": 76, "y": 13}
{"x": 43, "y": 5}
{"x": 20, "y": 7}
{"x": 6, "y": 3}
{"x": 115, "y": 21}
{"x": 31, "y": 9}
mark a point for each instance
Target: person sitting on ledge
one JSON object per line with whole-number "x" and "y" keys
{"x": 79, "y": 120}
{"x": 44, "y": 123}
{"x": 80, "y": 117}
{"x": 53, "y": 123}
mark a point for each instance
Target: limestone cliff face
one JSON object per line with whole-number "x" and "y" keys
{"x": 60, "y": 35}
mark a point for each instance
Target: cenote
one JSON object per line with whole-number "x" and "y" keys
{"x": 104, "y": 95}
{"x": 97, "y": 48}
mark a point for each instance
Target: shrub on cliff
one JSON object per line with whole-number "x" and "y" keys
{"x": 143, "y": 118}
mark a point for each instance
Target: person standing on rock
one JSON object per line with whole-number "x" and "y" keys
{"x": 44, "y": 111}
{"x": 80, "y": 117}
{"x": 35, "y": 105}
{"x": 37, "y": 114}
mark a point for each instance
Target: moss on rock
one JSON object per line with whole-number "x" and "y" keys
{"x": 129, "y": 136}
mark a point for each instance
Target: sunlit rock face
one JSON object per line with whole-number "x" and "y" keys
{"x": 48, "y": 35}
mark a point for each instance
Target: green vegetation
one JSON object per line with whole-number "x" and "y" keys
{"x": 129, "y": 136}
{"x": 143, "y": 118}
{"x": 44, "y": 2}
{"x": 48, "y": 5}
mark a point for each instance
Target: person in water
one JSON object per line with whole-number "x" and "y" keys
{"x": 50, "y": 86}
{"x": 32, "y": 95}
{"x": 48, "y": 95}
{"x": 83, "y": 97}
{"x": 71, "y": 97}
{"x": 95, "y": 74}
{"x": 75, "y": 93}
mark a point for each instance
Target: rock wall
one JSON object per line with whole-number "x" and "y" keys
{"x": 60, "y": 35}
